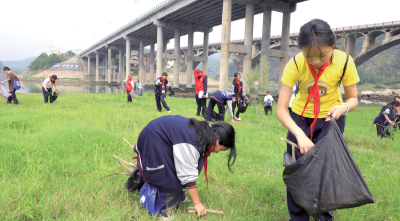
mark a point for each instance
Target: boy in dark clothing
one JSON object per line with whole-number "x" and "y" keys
{"x": 160, "y": 86}
{"x": 10, "y": 78}
{"x": 222, "y": 98}
{"x": 201, "y": 91}
{"x": 237, "y": 88}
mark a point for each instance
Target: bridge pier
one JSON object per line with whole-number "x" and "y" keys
{"x": 113, "y": 72}
{"x": 248, "y": 42}
{"x": 350, "y": 44}
{"x": 164, "y": 60}
{"x": 152, "y": 78}
{"x": 189, "y": 66}
{"x": 284, "y": 46}
{"x": 141, "y": 76}
{"x": 88, "y": 75}
{"x": 109, "y": 73}
{"x": 121, "y": 66}
{"x": 266, "y": 38}
{"x": 128, "y": 58}
{"x": 159, "y": 51}
{"x": 177, "y": 53}
{"x": 369, "y": 40}
{"x": 97, "y": 67}
{"x": 225, "y": 41}
{"x": 205, "y": 52}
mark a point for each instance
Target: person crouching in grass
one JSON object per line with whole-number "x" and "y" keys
{"x": 47, "y": 87}
{"x": 383, "y": 121}
{"x": 222, "y": 99}
{"x": 172, "y": 151}
{"x": 318, "y": 68}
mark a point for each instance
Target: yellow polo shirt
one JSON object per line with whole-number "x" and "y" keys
{"x": 328, "y": 83}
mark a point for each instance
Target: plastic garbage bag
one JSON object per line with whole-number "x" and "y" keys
{"x": 151, "y": 199}
{"x": 135, "y": 180}
{"x": 4, "y": 92}
{"x": 326, "y": 177}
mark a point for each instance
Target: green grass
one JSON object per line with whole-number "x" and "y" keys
{"x": 48, "y": 172}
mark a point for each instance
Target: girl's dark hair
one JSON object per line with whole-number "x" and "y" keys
{"x": 208, "y": 134}
{"x": 396, "y": 97}
{"x": 387, "y": 105}
{"x": 395, "y": 103}
{"x": 236, "y": 74}
{"x": 54, "y": 76}
{"x": 315, "y": 33}
{"x": 6, "y": 69}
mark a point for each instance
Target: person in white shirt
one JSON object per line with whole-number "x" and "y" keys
{"x": 268, "y": 100}
{"x": 47, "y": 87}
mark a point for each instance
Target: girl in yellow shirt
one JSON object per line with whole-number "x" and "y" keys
{"x": 318, "y": 69}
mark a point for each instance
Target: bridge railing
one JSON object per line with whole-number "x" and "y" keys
{"x": 152, "y": 10}
{"x": 369, "y": 26}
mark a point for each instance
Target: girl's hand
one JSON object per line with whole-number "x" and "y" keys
{"x": 200, "y": 209}
{"x": 233, "y": 121}
{"x": 336, "y": 111}
{"x": 305, "y": 144}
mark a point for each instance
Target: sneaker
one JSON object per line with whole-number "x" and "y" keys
{"x": 237, "y": 118}
{"x": 169, "y": 111}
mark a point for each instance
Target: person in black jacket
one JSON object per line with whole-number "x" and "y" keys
{"x": 237, "y": 88}
{"x": 160, "y": 88}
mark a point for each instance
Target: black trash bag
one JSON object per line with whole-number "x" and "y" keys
{"x": 326, "y": 178}
{"x": 171, "y": 91}
{"x": 135, "y": 180}
{"x": 55, "y": 95}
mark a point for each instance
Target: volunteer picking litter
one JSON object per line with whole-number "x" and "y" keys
{"x": 172, "y": 151}
{"x": 319, "y": 69}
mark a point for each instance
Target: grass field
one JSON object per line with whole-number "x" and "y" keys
{"x": 48, "y": 172}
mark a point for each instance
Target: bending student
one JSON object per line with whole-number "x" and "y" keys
{"x": 221, "y": 98}
{"x": 237, "y": 88}
{"x": 383, "y": 121}
{"x": 47, "y": 87}
{"x": 172, "y": 151}
{"x": 318, "y": 68}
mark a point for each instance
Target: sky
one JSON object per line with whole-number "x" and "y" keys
{"x": 28, "y": 28}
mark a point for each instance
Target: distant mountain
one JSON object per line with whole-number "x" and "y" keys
{"x": 18, "y": 65}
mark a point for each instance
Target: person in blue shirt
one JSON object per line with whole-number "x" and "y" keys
{"x": 160, "y": 89}
{"x": 383, "y": 122}
{"x": 222, "y": 99}
{"x": 171, "y": 152}
{"x": 139, "y": 88}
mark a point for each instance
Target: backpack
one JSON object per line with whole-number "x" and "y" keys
{"x": 269, "y": 102}
{"x": 16, "y": 84}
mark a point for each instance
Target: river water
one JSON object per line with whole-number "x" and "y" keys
{"x": 35, "y": 87}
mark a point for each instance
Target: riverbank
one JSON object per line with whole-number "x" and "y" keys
{"x": 387, "y": 95}
{"x": 54, "y": 154}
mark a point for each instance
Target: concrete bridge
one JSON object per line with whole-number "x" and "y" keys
{"x": 175, "y": 18}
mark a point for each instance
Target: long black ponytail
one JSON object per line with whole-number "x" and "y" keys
{"x": 208, "y": 134}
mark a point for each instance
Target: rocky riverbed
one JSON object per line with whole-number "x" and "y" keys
{"x": 383, "y": 96}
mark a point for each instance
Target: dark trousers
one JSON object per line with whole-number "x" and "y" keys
{"x": 267, "y": 108}
{"x": 171, "y": 202}
{"x": 129, "y": 96}
{"x": 161, "y": 99}
{"x": 382, "y": 131}
{"x": 47, "y": 94}
{"x": 320, "y": 130}
{"x": 234, "y": 104}
{"x": 13, "y": 97}
{"x": 221, "y": 109}
{"x": 201, "y": 105}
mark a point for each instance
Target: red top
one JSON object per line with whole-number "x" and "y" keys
{"x": 199, "y": 80}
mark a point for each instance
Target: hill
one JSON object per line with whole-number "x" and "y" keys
{"x": 17, "y": 66}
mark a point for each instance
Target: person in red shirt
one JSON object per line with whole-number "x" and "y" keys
{"x": 10, "y": 78}
{"x": 201, "y": 92}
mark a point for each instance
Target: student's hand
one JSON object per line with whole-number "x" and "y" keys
{"x": 305, "y": 144}
{"x": 22, "y": 86}
{"x": 200, "y": 209}
{"x": 336, "y": 111}
{"x": 204, "y": 96}
{"x": 233, "y": 121}
{"x": 46, "y": 90}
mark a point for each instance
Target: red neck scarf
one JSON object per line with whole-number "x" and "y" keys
{"x": 162, "y": 82}
{"x": 314, "y": 93}
{"x": 239, "y": 88}
{"x": 206, "y": 155}
{"x": 51, "y": 80}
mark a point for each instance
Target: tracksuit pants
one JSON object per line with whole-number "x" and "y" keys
{"x": 13, "y": 97}
{"x": 320, "y": 130}
{"x": 221, "y": 109}
{"x": 161, "y": 99}
{"x": 47, "y": 94}
{"x": 201, "y": 105}
{"x": 129, "y": 96}
{"x": 234, "y": 106}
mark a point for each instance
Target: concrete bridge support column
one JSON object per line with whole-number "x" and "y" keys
{"x": 248, "y": 41}
{"x": 351, "y": 45}
{"x": 225, "y": 41}
{"x": 109, "y": 65}
{"x": 97, "y": 67}
{"x": 141, "y": 63}
{"x": 369, "y": 40}
{"x": 159, "y": 51}
{"x": 113, "y": 71}
{"x": 88, "y": 75}
{"x": 266, "y": 38}
{"x": 189, "y": 70}
{"x": 205, "y": 52}
{"x": 121, "y": 66}
{"x": 388, "y": 37}
{"x": 128, "y": 58}
{"x": 254, "y": 50}
{"x": 152, "y": 78}
{"x": 284, "y": 46}
{"x": 164, "y": 60}
{"x": 177, "y": 54}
